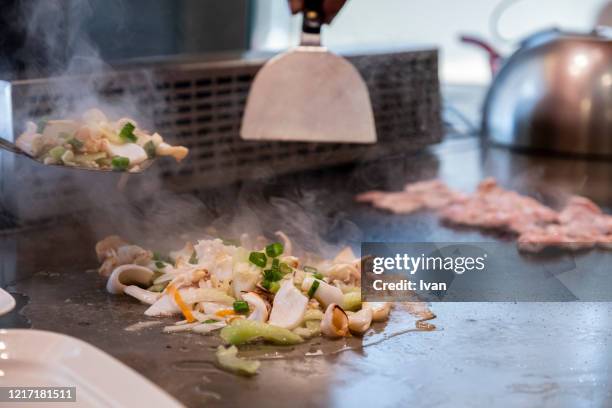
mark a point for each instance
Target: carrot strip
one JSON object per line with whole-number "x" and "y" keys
{"x": 225, "y": 312}
{"x": 181, "y": 303}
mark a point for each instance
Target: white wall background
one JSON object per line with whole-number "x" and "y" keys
{"x": 383, "y": 23}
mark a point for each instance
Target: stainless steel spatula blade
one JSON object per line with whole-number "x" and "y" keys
{"x": 310, "y": 95}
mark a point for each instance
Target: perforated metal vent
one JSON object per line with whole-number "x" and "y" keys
{"x": 200, "y": 105}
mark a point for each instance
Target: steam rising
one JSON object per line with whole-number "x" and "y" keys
{"x": 143, "y": 208}
{"x": 55, "y": 41}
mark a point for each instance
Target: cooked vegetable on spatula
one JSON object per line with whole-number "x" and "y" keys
{"x": 95, "y": 142}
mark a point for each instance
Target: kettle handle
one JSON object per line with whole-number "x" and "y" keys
{"x": 495, "y": 58}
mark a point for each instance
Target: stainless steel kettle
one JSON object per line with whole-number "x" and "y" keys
{"x": 553, "y": 94}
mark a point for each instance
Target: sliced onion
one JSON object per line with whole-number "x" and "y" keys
{"x": 145, "y": 296}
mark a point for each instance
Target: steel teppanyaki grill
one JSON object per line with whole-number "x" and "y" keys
{"x": 199, "y": 104}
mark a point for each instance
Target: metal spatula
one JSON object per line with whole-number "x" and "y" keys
{"x": 309, "y": 94}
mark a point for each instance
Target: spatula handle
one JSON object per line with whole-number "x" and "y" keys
{"x": 11, "y": 147}
{"x": 313, "y": 16}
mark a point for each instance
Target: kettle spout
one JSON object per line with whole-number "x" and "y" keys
{"x": 495, "y": 58}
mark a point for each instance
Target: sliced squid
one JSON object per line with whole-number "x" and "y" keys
{"x": 259, "y": 307}
{"x": 165, "y": 306}
{"x": 335, "y": 322}
{"x": 325, "y": 293}
{"x": 129, "y": 274}
{"x": 145, "y": 296}
{"x": 380, "y": 310}
{"x": 359, "y": 322}
{"x": 126, "y": 254}
{"x": 289, "y": 306}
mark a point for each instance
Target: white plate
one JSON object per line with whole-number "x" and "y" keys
{"x": 45, "y": 359}
{"x": 7, "y": 302}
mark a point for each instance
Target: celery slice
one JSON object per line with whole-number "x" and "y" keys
{"x": 244, "y": 331}
{"x": 228, "y": 360}
{"x": 351, "y": 301}
{"x": 57, "y": 152}
{"x": 313, "y": 314}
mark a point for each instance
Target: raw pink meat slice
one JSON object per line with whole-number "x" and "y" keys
{"x": 431, "y": 194}
{"x": 494, "y": 207}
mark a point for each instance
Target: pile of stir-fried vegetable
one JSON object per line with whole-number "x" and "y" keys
{"x": 248, "y": 292}
{"x": 95, "y": 142}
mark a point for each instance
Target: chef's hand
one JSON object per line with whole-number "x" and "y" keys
{"x": 330, "y": 8}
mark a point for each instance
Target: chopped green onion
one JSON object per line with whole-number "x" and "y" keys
{"x": 272, "y": 275}
{"x": 274, "y": 287}
{"x": 160, "y": 265}
{"x": 210, "y": 321}
{"x": 258, "y": 259}
{"x": 75, "y": 143}
{"x": 127, "y": 133}
{"x": 149, "y": 147}
{"x": 310, "y": 269}
{"x": 276, "y": 265}
{"x": 270, "y": 286}
{"x": 318, "y": 275}
{"x": 120, "y": 163}
{"x": 274, "y": 250}
{"x": 194, "y": 258}
{"x": 240, "y": 306}
{"x": 313, "y": 289}
{"x": 285, "y": 269}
